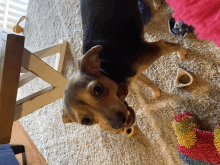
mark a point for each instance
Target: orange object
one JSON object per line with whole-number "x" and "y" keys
{"x": 17, "y": 28}
{"x": 131, "y": 131}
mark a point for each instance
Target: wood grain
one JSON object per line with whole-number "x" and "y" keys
{"x": 42, "y": 70}
{"x": 60, "y": 49}
{"x": 37, "y": 100}
{"x": 10, "y": 64}
{"x": 20, "y": 136}
{"x": 60, "y": 57}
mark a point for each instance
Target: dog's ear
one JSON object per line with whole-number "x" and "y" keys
{"x": 122, "y": 91}
{"x": 90, "y": 63}
{"x": 66, "y": 118}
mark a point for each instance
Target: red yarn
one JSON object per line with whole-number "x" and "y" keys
{"x": 182, "y": 116}
{"x": 204, "y": 148}
{"x": 204, "y": 15}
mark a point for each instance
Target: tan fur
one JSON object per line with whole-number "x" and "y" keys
{"x": 81, "y": 102}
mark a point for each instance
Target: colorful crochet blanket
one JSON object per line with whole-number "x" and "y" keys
{"x": 195, "y": 146}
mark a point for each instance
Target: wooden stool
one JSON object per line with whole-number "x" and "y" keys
{"x": 15, "y": 59}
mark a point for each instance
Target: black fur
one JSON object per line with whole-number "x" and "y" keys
{"x": 118, "y": 26}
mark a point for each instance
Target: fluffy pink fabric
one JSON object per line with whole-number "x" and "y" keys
{"x": 204, "y": 15}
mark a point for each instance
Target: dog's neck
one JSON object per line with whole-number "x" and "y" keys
{"x": 117, "y": 68}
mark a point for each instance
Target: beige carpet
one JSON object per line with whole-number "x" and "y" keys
{"x": 47, "y": 22}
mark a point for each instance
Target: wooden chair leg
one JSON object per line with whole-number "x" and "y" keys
{"x": 17, "y": 149}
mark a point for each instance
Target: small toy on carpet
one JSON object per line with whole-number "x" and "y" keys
{"x": 195, "y": 146}
{"x": 131, "y": 131}
{"x": 181, "y": 31}
{"x": 183, "y": 78}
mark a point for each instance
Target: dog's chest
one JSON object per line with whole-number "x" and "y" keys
{"x": 117, "y": 25}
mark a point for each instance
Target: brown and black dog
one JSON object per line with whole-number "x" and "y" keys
{"x": 115, "y": 55}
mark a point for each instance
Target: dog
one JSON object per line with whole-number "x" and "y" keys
{"x": 115, "y": 55}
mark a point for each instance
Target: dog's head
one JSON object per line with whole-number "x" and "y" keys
{"x": 92, "y": 98}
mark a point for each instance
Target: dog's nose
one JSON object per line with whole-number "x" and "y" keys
{"x": 118, "y": 121}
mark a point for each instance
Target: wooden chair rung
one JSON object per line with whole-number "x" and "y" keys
{"x": 58, "y": 49}
{"x": 38, "y": 100}
{"x": 41, "y": 69}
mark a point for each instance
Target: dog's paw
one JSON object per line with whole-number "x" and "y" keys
{"x": 156, "y": 93}
{"x": 182, "y": 54}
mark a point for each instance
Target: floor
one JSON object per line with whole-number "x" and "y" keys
{"x": 20, "y": 136}
{"x": 48, "y": 22}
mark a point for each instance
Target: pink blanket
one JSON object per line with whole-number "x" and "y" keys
{"x": 204, "y": 15}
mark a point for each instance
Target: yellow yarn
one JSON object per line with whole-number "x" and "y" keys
{"x": 217, "y": 145}
{"x": 217, "y": 133}
{"x": 184, "y": 131}
{"x": 187, "y": 139}
{"x": 217, "y": 139}
{"x": 184, "y": 126}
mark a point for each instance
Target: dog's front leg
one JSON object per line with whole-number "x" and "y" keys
{"x": 144, "y": 79}
{"x": 168, "y": 47}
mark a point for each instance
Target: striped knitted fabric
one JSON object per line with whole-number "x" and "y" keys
{"x": 194, "y": 145}
{"x": 187, "y": 160}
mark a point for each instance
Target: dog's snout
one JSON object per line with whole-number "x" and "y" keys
{"x": 118, "y": 121}
{"x": 121, "y": 116}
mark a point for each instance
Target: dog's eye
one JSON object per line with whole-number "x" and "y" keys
{"x": 86, "y": 121}
{"x": 98, "y": 90}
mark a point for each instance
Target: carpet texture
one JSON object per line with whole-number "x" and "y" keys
{"x": 155, "y": 144}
